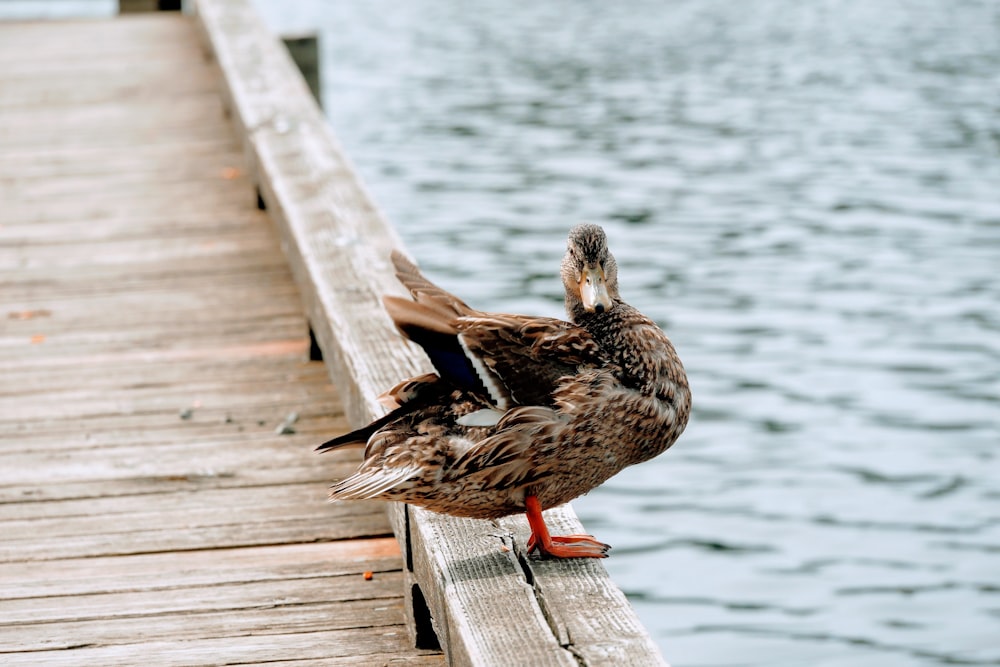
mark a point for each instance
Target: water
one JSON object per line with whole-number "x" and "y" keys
{"x": 807, "y": 197}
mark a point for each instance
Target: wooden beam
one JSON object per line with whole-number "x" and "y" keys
{"x": 490, "y": 603}
{"x": 304, "y": 49}
{"x": 138, "y": 6}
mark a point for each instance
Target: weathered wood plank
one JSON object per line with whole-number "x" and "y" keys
{"x": 83, "y": 404}
{"x": 44, "y": 90}
{"x": 145, "y": 487}
{"x": 55, "y": 305}
{"x": 55, "y": 160}
{"x": 229, "y": 455}
{"x": 118, "y": 175}
{"x": 462, "y": 567}
{"x": 293, "y": 503}
{"x": 333, "y": 647}
{"x": 338, "y": 245}
{"x": 141, "y": 482}
{"x": 156, "y": 571}
{"x": 127, "y": 262}
{"x": 50, "y": 72}
{"x": 589, "y": 615}
{"x": 244, "y": 349}
{"x": 179, "y": 600}
{"x": 136, "y": 205}
{"x": 297, "y": 503}
{"x": 295, "y": 615}
{"x": 62, "y": 42}
{"x": 103, "y": 122}
{"x": 287, "y": 365}
{"x": 78, "y": 348}
{"x": 114, "y": 376}
{"x": 197, "y": 226}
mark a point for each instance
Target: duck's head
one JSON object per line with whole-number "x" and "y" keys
{"x": 589, "y": 272}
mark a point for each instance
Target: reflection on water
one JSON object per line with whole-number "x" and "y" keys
{"x": 807, "y": 197}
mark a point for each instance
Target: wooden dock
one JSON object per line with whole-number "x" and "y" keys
{"x": 153, "y": 340}
{"x": 160, "y": 502}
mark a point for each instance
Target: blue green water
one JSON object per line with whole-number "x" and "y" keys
{"x": 807, "y": 197}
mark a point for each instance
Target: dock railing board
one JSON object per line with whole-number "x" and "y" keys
{"x": 489, "y": 602}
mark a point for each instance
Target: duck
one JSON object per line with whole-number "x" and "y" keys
{"x": 522, "y": 413}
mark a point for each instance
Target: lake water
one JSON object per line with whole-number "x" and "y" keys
{"x": 806, "y": 196}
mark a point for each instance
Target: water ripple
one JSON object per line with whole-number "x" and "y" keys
{"x": 940, "y": 657}
{"x": 804, "y": 194}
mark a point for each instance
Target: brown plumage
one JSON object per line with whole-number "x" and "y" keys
{"x": 524, "y": 413}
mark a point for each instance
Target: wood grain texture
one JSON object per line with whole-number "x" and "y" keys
{"x": 491, "y": 605}
{"x": 151, "y": 340}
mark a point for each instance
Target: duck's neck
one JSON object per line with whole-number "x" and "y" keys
{"x": 596, "y": 321}
{"x": 645, "y": 356}
{"x": 579, "y": 316}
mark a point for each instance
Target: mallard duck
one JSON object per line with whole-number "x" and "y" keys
{"x": 524, "y": 413}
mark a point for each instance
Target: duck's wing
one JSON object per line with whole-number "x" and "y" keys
{"x": 511, "y": 359}
{"x": 509, "y": 458}
{"x": 520, "y": 360}
{"x": 508, "y": 359}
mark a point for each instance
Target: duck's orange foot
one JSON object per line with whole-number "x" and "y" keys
{"x": 569, "y": 546}
{"x": 562, "y": 546}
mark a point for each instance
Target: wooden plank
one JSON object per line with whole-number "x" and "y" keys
{"x": 245, "y": 349}
{"x": 179, "y": 600}
{"x": 78, "y": 136}
{"x": 152, "y": 528}
{"x": 458, "y": 563}
{"x": 57, "y": 43}
{"x": 338, "y": 245}
{"x": 311, "y": 617}
{"x": 289, "y": 367}
{"x": 132, "y": 255}
{"x": 52, "y": 160}
{"x": 136, "y": 205}
{"x": 85, "y": 348}
{"x": 156, "y": 571}
{"x": 585, "y": 610}
{"x": 332, "y": 647}
{"x": 54, "y": 90}
{"x": 130, "y": 472}
{"x": 103, "y": 121}
{"x": 230, "y": 455}
{"x": 198, "y": 226}
{"x": 279, "y": 364}
{"x": 139, "y": 172}
{"x": 49, "y": 74}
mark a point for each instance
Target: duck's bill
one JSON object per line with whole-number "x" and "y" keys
{"x": 594, "y": 291}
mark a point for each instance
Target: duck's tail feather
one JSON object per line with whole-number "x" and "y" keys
{"x": 407, "y": 396}
{"x": 361, "y": 435}
{"x": 371, "y": 483}
{"x": 424, "y": 291}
